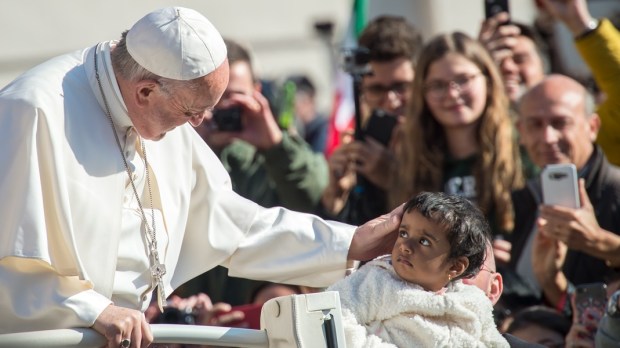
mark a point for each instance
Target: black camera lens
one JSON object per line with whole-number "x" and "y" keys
{"x": 176, "y": 316}
{"x": 557, "y": 175}
{"x": 228, "y": 120}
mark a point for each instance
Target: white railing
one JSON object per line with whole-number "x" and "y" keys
{"x": 162, "y": 333}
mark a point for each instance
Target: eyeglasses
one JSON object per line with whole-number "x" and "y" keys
{"x": 437, "y": 89}
{"x": 376, "y": 92}
{"x": 484, "y": 268}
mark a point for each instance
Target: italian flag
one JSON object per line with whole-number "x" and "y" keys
{"x": 342, "y": 116}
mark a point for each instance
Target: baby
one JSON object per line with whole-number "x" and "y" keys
{"x": 415, "y": 298}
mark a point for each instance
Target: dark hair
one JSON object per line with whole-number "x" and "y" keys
{"x": 237, "y": 53}
{"x": 391, "y": 37}
{"x": 303, "y": 84}
{"x": 542, "y": 316}
{"x": 467, "y": 229}
{"x": 541, "y": 46}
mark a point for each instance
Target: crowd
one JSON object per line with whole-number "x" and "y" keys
{"x": 154, "y": 172}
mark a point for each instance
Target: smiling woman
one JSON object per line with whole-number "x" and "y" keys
{"x": 458, "y": 137}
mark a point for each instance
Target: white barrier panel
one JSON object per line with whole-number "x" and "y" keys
{"x": 162, "y": 333}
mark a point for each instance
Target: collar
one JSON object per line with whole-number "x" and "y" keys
{"x": 108, "y": 83}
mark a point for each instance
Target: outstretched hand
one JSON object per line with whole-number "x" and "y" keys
{"x": 376, "y": 237}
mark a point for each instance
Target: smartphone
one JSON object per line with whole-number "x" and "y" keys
{"x": 493, "y": 7}
{"x": 559, "y": 185}
{"x": 380, "y": 126}
{"x": 590, "y": 297}
{"x": 228, "y": 120}
{"x": 251, "y": 319}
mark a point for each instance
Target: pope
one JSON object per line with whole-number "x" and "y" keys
{"x": 110, "y": 196}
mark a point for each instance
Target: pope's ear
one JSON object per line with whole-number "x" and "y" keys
{"x": 145, "y": 90}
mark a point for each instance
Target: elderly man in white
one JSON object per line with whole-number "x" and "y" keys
{"x": 109, "y": 194}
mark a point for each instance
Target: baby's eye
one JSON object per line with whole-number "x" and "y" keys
{"x": 425, "y": 242}
{"x": 403, "y": 234}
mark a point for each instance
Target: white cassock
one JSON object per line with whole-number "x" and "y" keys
{"x": 71, "y": 236}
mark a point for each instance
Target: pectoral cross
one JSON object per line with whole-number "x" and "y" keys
{"x": 158, "y": 270}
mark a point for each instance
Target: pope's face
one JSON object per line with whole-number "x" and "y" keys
{"x": 168, "y": 109}
{"x": 420, "y": 254}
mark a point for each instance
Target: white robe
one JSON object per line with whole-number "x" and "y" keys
{"x": 63, "y": 186}
{"x": 380, "y": 310}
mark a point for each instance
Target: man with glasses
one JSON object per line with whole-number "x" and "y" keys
{"x": 393, "y": 46}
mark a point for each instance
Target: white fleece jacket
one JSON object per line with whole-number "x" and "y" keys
{"x": 381, "y": 310}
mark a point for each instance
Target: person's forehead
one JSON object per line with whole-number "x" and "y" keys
{"x": 397, "y": 70}
{"x": 450, "y": 65}
{"x": 550, "y": 103}
{"x": 525, "y": 45}
{"x": 416, "y": 221}
{"x": 241, "y": 79}
{"x": 241, "y": 69}
{"x": 210, "y": 88}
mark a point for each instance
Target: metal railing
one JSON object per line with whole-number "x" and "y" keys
{"x": 162, "y": 333}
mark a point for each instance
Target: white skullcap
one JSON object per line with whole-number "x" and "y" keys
{"x": 177, "y": 43}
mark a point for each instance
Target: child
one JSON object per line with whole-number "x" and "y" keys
{"x": 415, "y": 297}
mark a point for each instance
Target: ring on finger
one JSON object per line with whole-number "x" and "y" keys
{"x": 125, "y": 343}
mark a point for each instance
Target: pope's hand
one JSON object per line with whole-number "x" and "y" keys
{"x": 118, "y": 323}
{"x": 376, "y": 237}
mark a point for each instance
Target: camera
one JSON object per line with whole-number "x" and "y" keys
{"x": 356, "y": 61}
{"x": 493, "y": 7}
{"x": 228, "y": 120}
{"x": 380, "y": 126}
{"x": 557, "y": 175}
{"x": 173, "y": 315}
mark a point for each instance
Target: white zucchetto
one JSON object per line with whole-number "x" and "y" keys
{"x": 176, "y": 43}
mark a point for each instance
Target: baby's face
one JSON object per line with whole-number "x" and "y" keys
{"x": 420, "y": 254}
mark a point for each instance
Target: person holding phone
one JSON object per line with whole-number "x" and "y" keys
{"x": 393, "y": 45}
{"x": 267, "y": 165}
{"x": 555, "y": 247}
{"x": 518, "y": 51}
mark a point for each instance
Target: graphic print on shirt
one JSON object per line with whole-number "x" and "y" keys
{"x": 464, "y": 186}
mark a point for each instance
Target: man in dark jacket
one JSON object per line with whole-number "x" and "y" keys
{"x": 556, "y": 247}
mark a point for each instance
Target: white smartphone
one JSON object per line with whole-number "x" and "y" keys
{"x": 559, "y": 185}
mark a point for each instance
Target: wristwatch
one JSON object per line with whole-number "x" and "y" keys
{"x": 612, "y": 305}
{"x": 592, "y": 24}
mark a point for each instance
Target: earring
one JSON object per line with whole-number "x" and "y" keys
{"x": 449, "y": 277}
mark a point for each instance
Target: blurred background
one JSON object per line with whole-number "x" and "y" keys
{"x": 286, "y": 37}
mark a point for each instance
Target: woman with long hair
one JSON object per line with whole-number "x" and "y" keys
{"x": 458, "y": 137}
